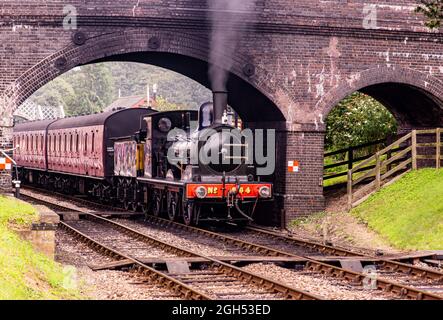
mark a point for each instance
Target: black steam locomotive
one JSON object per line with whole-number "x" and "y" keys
{"x": 182, "y": 164}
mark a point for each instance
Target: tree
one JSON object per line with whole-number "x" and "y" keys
{"x": 433, "y": 11}
{"x": 161, "y": 104}
{"x": 358, "y": 119}
{"x": 91, "y": 88}
{"x": 81, "y": 91}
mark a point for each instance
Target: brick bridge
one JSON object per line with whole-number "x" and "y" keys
{"x": 295, "y": 62}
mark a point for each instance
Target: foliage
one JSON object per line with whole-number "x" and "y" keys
{"x": 163, "y": 105}
{"x": 433, "y": 11}
{"x": 356, "y": 120}
{"x": 80, "y": 91}
{"x": 409, "y": 213}
{"x": 91, "y": 88}
{"x": 24, "y": 273}
{"x": 132, "y": 79}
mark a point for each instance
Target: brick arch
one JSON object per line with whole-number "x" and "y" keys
{"x": 130, "y": 46}
{"x": 413, "y": 97}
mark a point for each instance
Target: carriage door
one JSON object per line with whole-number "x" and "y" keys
{"x": 85, "y": 154}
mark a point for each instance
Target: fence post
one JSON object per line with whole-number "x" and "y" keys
{"x": 438, "y": 148}
{"x": 414, "y": 149}
{"x": 350, "y": 158}
{"x": 377, "y": 172}
{"x": 389, "y": 156}
{"x": 349, "y": 189}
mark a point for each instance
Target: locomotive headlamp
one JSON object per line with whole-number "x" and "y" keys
{"x": 201, "y": 192}
{"x": 265, "y": 192}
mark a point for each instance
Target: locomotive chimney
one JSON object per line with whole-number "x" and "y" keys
{"x": 220, "y": 100}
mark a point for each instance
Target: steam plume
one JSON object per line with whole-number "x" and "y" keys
{"x": 227, "y": 17}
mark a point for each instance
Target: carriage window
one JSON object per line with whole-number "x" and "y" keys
{"x": 49, "y": 143}
{"x": 71, "y": 138}
{"x": 93, "y": 142}
{"x": 86, "y": 143}
{"x": 77, "y": 141}
{"x": 65, "y": 147}
{"x": 59, "y": 143}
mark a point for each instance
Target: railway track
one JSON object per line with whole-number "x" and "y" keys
{"x": 414, "y": 280}
{"x": 200, "y": 284}
{"x": 383, "y": 264}
{"x": 394, "y": 268}
{"x": 218, "y": 280}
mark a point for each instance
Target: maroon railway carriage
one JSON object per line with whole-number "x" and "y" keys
{"x": 73, "y": 154}
{"x": 30, "y": 143}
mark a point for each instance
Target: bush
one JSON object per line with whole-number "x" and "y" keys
{"x": 356, "y": 120}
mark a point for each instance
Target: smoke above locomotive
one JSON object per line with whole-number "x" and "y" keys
{"x": 228, "y": 19}
{"x": 212, "y": 143}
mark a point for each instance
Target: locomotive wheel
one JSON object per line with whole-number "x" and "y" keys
{"x": 135, "y": 203}
{"x": 188, "y": 212}
{"x": 134, "y": 206}
{"x": 126, "y": 205}
{"x": 156, "y": 203}
{"x": 191, "y": 212}
{"x": 145, "y": 209}
{"x": 172, "y": 200}
{"x": 105, "y": 196}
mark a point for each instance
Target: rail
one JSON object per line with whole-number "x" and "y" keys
{"x": 393, "y": 162}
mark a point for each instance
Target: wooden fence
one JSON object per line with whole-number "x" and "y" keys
{"x": 403, "y": 157}
{"x": 351, "y": 159}
{"x": 353, "y": 156}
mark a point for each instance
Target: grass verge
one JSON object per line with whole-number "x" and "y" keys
{"x": 24, "y": 273}
{"x": 409, "y": 213}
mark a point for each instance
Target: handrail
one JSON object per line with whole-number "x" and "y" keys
{"x": 405, "y": 160}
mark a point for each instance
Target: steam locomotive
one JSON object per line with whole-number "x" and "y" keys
{"x": 147, "y": 160}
